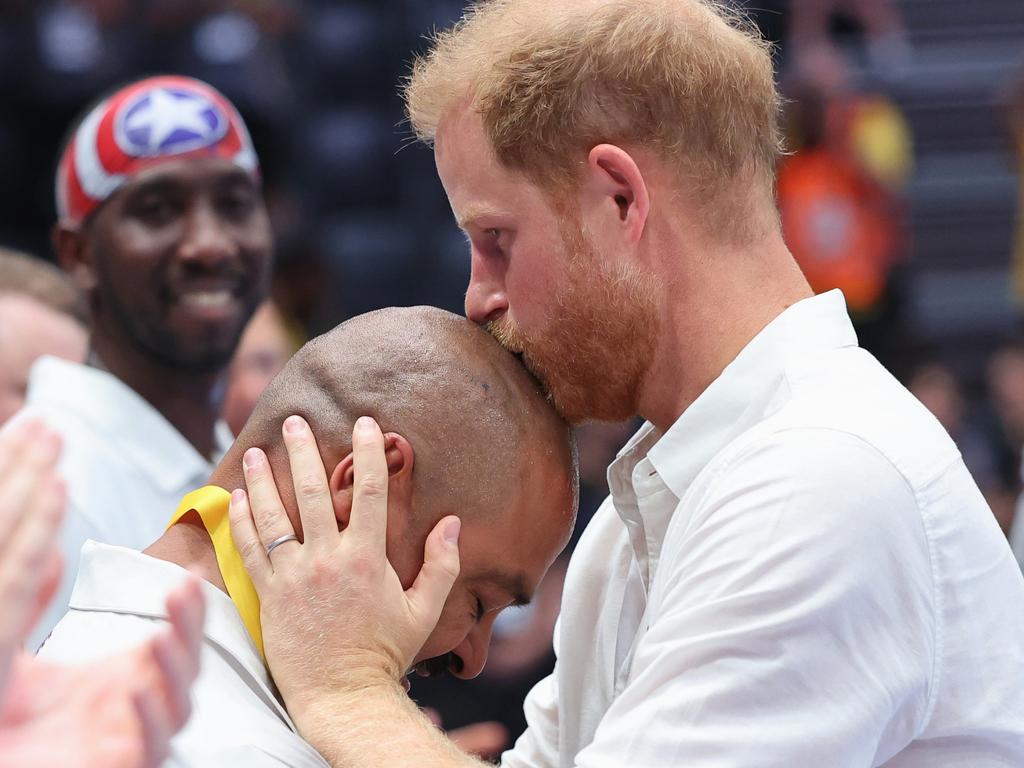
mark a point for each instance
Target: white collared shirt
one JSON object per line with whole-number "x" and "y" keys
{"x": 126, "y": 467}
{"x": 237, "y": 720}
{"x": 800, "y": 572}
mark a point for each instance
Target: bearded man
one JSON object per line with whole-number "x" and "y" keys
{"x": 794, "y": 568}
{"x": 162, "y": 224}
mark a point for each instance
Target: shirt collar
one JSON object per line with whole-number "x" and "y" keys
{"x": 144, "y": 436}
{"x": 121, "y": 580}
{"x": 747, "y": 390}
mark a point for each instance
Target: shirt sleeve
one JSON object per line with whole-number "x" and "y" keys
{"x": 538, "y": 746}
{"x": 795, "y": 626}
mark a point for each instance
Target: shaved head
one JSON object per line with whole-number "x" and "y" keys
{"x": 477, "y": 420}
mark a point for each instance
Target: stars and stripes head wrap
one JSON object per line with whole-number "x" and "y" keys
{"x": 141, "y": 125}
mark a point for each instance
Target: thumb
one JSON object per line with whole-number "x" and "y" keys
{"x": 440, "y": 569}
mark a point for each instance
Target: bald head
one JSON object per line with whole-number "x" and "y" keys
{"x": 475, "y": 417}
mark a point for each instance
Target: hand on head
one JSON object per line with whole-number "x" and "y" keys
{"x": 120, "y": 712}
{"x": 335, "y": 594}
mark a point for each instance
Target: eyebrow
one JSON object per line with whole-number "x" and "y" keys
{"x": 514, "y": 584}
{"x": 477, "y": 211}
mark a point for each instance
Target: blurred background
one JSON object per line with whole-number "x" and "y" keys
{"x": 905, "y": 128}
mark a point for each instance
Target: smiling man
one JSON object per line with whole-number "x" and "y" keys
{"x": 161, "y": 222}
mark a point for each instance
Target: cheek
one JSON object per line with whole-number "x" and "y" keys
{"x": 530, "y": 285}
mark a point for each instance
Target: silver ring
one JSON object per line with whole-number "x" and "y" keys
{"x": 278, "y": 542}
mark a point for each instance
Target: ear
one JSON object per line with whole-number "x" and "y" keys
{"x": 616, "y": 186}
{"x": 400, "y": 457}
{"x": 73, "y": 254}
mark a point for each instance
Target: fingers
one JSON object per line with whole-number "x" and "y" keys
{"x": 30, "y": 459}
{"x": 247, "y": 539}
{"x": 316, "y": 509}
{"x": 24, "y": 565}
{"x": 264, "y": 500}
{"x": 153, "y": 726}
{"x": 369, "y": 519}
{"x": 429, "y": 592}
{"x": 176, "y": 651}
{"x": 52, "y": 572}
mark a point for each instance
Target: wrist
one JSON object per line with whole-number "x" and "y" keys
{"x": 309, "y": 704}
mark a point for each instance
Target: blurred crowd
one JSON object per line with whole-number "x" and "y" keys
{"x": 360, "y": 221}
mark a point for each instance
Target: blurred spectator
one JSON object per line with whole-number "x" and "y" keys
{"x": 162, "y": 224}
{"x": 938, "y": 388}
{"x": 1015, "y": 121}
{"x": 41, "y": 313}
{"x": 840, "y": 195}
{"x": 879, "y": 21}
{"x": 1006, "y": 390}
{"x": 265, "y": 347}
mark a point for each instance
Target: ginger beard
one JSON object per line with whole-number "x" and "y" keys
{"x": 599, "y": 340}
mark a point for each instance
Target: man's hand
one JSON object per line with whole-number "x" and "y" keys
{"x": 335, "y": 596}
{"x": 32, "y": 501}
{"x": 119, "y": 713}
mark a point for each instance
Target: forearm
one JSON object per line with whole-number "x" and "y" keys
{"x": 376, "y": 726}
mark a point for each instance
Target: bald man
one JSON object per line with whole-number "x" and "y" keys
{"x": 468, "y": 433}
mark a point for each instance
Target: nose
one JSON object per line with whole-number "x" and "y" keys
{"x": 472, "y": 651}
{"x": 206, "y": 239}
{"x": 485, "y": 297}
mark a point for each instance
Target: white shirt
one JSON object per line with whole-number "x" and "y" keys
{"x": 237, "y": 720}
{"x": 126, "y": 467}
{"x": 800, "y": 572}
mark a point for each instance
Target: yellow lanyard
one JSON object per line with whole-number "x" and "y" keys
{"x": 211, "y": 504}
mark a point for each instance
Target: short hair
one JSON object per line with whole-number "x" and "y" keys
{"x": 26, "y": 275}
{"x": 691, "y": 80}
{"x": 468, "y": 407}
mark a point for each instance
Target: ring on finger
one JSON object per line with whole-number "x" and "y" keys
{"x": 279, "y": 541}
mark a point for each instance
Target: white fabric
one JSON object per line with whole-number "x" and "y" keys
{"x": 237, "y": 720}
{"x": 126, "y": 467}
{"x": 799, "y": 572}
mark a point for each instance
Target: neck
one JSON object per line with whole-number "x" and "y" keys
{"x": 186, "y": 399}
{"x": 187, "y": 544}
{"x": 710, "y": 314}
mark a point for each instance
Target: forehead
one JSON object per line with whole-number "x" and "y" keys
{"x": 473, "y": 178}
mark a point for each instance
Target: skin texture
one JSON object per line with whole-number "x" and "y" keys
{"x": 29, "y": 330}
{"x": 119, "y": 712}
{"x": 174, "y": 264}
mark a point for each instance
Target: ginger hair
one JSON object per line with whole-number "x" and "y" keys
{"x": 690, "y": 80}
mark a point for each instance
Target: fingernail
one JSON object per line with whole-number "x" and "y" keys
{"x": 451, "y": 531}
{"x": 294, "y": 425}
{"x": 365, "y": 424}
{"x": 237, "y": 496}
{"x": 252, "y": 458}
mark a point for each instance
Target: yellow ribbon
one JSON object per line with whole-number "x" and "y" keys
{"x": 211, "y": 504}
